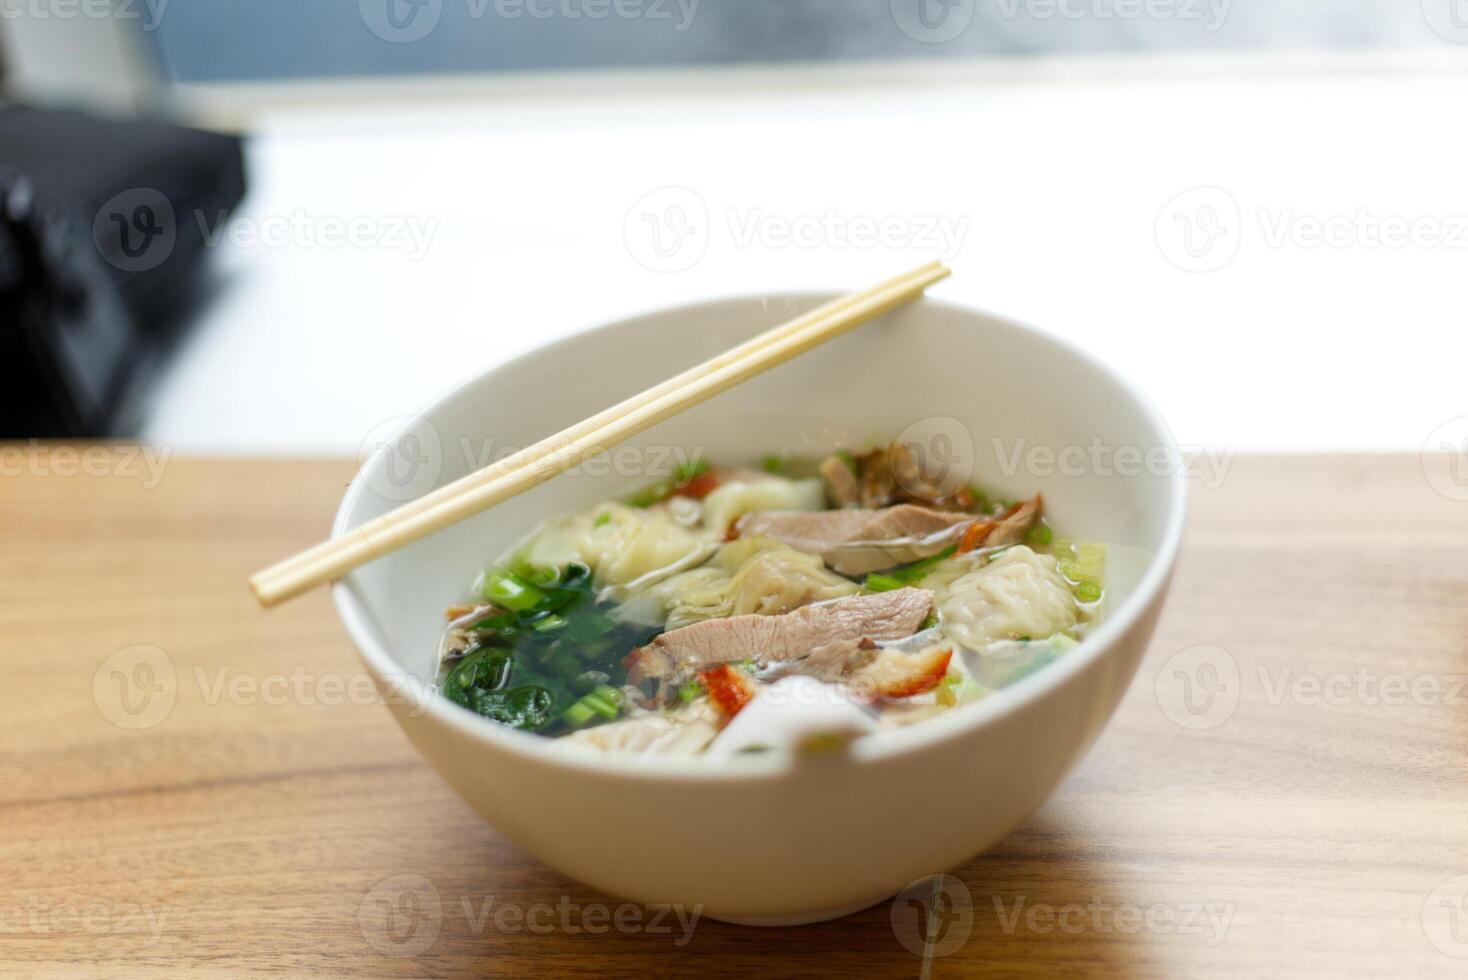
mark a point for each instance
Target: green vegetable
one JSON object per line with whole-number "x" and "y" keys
{"x": 549, "y": 648}
{"x": 604, "y": 518}
{"x": 540, "y": 577}
{"x": 654, "y": 494}
{"x": 1084, "y": 564}
{"x": 545, "y": 624}
{"x": 690, "y": 692}
{"x": 510, "y": 591}
{"x": 518, "y": 707}
{"x": 877, "y": 582}
{"x": 602, "y": 700}
{"x": 1039, "y": 535}
{"x": 773, "y": 464}
{"x": 905, "y": 575}
{"x": 482, "y": 668}
{"x": 846, "y": 458}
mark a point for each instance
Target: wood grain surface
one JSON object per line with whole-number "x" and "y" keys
{"x": 195, "y": 787}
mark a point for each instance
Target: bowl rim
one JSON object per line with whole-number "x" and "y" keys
{"x": 421, "y": 700}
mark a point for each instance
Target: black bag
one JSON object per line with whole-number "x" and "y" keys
{"x": 103, "y": 229}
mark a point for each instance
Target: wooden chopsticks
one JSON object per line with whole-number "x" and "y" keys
{"x": 534, "y": 465}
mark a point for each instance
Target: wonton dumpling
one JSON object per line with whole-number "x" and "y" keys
{"x": 730, "y": 501}
{"x": 1018, "y": 594}
{"x": 622, "y": 545}
{"x": 752, "y": 575}
{"x": 684, "y": 732}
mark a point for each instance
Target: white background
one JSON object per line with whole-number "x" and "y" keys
{"x": 1064, "y": 174}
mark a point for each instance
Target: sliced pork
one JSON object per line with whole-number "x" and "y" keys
{"x": 855, "y": 542}
{"x": 896, "y": 536}
{"x": 765, "y": 640}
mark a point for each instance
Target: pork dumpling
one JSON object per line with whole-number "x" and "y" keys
{"x": 757, "y": 574}
{"x": 728, "y": 502}
{"x": 684, "y": 732}
{"x": 1019, "y": 594}
{"x": 622, "y": 545}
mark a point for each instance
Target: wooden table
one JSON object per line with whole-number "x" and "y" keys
{"x": 266, "y": 819}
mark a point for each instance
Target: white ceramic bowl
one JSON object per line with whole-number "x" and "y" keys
{"x": 767, "y": 838}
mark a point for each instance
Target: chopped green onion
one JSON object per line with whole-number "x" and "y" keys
{"x": 602, "y": 519}
{"x": 773, "y": 464}
{"x": 690, "y": 691}
{"x": 601, "y": 700}
{"x": 1039, "y": 535}
{"x": 552, "y": 622}
{"x": 578, "y": 714}
{"x": 654, "y": 494}
{"x": 906, "y": 574}
{"x": 846, "y": 458}
{"x": 1088, "y": 591}
{"x": 511, "y": 591}
{"x": 539, "y": 576}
